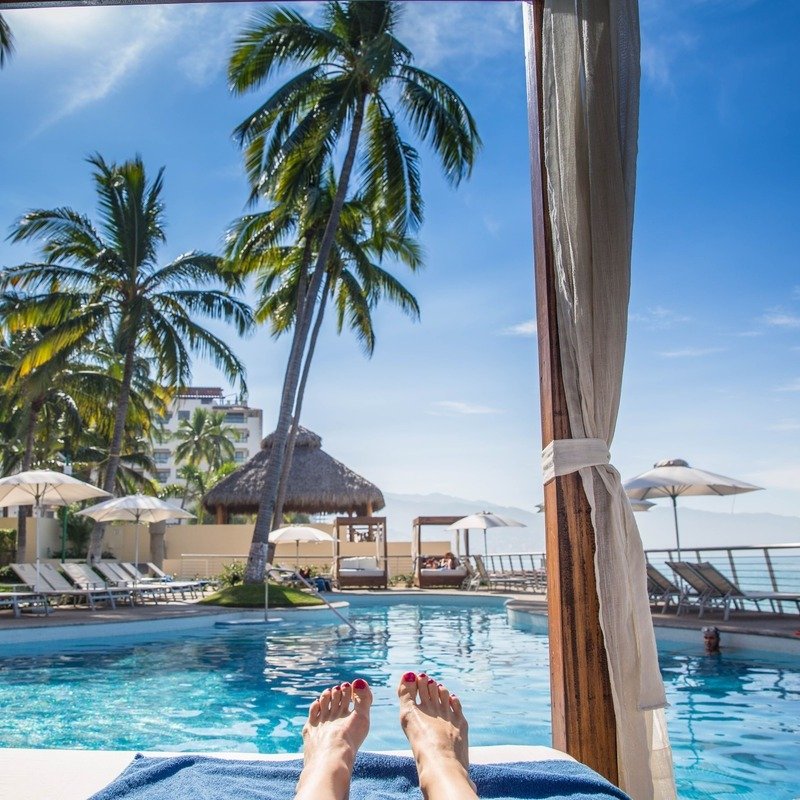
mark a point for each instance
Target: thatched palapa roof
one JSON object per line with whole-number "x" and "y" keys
{"x": 318, "y": 483}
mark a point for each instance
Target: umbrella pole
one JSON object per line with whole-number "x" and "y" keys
{"x": 677, "y": 533}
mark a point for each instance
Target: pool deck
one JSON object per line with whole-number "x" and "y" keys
{"x": 777, "y": 632}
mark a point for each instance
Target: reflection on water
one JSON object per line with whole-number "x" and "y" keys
{"x": 734, "y": 724}
{"x": 734, "y": 721}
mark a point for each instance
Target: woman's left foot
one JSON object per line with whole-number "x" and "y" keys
{"x": 331, "y": 738}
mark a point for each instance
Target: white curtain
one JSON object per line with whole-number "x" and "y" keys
{"x": 590, "y": 77}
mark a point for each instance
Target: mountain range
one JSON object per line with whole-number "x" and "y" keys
{"x": 698, "y": 528}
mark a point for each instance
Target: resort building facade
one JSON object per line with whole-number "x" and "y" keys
{"x": 245, "y": 422}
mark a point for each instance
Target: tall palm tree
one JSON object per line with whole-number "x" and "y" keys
{"x": 106, "y": 283}
{"x": 355, "y": 280}
{"x": 353, "y": 71}
{"x": 204, "y": 438}
{"x": 6, "y": 42}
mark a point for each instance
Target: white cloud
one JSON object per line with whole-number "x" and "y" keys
{"x": 458, "y": 407}
{"x": 527, "y": 328}
{"x": 91, "y": 53}
{"x": 467, "y": 32}
{"x": 785, "y": 425}
{"x": 779, "y": 319}
{"x": 658, "y": 318}
{"x": 692, "y": 352}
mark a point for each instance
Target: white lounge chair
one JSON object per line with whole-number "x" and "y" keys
{"x": 54, "y": 586}
{"x": 84, "y": 577}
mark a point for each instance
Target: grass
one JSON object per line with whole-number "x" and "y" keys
{"x": 252, "y": 596}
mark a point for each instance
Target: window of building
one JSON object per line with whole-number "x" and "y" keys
{"x": 162, "y": 475}
{"x": 206, "y": 401}
{"x": 239, "y": 456}
{"x": 184, "y": 415}
{"x": 161, "y": 456}
{"x": 241, "y": 436}
{"x": 234, "y": 418}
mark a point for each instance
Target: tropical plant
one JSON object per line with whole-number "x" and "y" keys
{"x": 6, "y": 42}
{"x": 195, "y": 482}
{"x": 353, "y": 72}
{"x": 105, "y": 283}
{"x": 204, "y": 438}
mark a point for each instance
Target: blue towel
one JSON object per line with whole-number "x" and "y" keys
{"x": 375, "y": 777}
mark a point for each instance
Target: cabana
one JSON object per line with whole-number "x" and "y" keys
{"x": 318, "y": 484}
{"x": 361, "y": 572}
{"x": 434, "y": 578}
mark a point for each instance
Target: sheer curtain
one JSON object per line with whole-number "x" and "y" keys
{"x": 590, "y": 88}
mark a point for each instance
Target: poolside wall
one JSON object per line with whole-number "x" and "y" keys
{"x": 203, "y": 549}
{"x": 48, "y": 531}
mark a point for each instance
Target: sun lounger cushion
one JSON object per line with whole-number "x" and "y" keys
{"x": 361, "y": 573}
{"x": 454, "y": 572}
{"x": 360, "y": 563}
{"x": 375, "y": 775}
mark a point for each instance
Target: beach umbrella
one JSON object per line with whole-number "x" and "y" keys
{"x": 136, "y": 508}
{"x": 484, "y": 520}
{"x": 674, "y": 478}
{"x": 297, "y": 534}
{"x": 641, "y": 505}
{"x": 44, "y": 487}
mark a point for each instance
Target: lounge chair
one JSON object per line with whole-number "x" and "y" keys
{"x": 190, "y": 586}
{"x": 660, "y": 588}
{"x": 84, "y": 577}
{"x": 503, "y": 581}
{"x": 116, "y": 576}
{"x": 19, "y": 600}
{"x": 441, "y": 578}
{"x": 360, "y": 572}
{"x": 695, "y": 590}
{"x": 54, "y": 586}
{"x": 732, "y": 595}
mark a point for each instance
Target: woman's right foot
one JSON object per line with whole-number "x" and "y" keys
{"x": 436, "y": 729}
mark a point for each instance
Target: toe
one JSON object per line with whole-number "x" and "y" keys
{"x": 347, "y": 696}
{"x": 408, "y": 688}
{"x": 325, "y": 705}
{"x": 444, "y": 696}
{"x": 362, "y": 696}
{"x": 455, "y": 704}
{"x": 336, "y": 702}
{"x": 314, "y": 711}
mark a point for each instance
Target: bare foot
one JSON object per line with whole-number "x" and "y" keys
{"x": 437, "y": 731}
{"x": 331, "y": 739}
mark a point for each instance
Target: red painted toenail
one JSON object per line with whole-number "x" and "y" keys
{"x": 359, "y": 683}
{"x": 345, "y": 686}
{"x": 423, "y": 675}
{"x": 409, "y": 677}
{"x": 430, "y": 681}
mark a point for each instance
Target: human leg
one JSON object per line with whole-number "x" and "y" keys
{"x": 436, "y": 728}
{"x": 331, "y": 738}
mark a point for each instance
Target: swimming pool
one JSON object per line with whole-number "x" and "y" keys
{"x": 733, "y": 721}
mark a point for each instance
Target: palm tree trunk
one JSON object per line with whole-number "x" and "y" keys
{"x": 114, "y": 451}
{"x": 257, "y": 557}
{"x": 23, "y": 512}
{"x": 298, "y": 405}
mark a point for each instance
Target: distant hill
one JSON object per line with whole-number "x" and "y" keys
{"x": 698, "y": 528}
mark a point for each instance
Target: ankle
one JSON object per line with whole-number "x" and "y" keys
{"x": 444, "y": 776}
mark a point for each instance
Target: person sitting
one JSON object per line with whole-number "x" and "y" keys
{"x": 431, "y": 718}
{"x": 449, "y": 561}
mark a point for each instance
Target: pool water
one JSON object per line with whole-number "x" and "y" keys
{"x": 734, "y": 723}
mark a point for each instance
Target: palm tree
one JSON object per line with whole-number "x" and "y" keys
{"x": 355, "y": 280}
{"x": 106, "y": 283}
{"x": 353, "y": 70}
{"x": 6, "y": 42}
{"x": 203, "y": 438}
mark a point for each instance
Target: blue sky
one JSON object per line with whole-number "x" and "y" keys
{"x": 450, "y": 404}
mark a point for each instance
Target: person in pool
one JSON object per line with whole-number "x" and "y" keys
{"x": 431, "y": 718}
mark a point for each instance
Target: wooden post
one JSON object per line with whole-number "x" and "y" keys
{"x": 584, "y": 723}
{"x": 222, "y": 515}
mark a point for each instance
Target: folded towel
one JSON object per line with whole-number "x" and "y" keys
{"x": 375, "y": 777}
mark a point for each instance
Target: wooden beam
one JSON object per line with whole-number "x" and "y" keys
{"x": 584, "y": 723}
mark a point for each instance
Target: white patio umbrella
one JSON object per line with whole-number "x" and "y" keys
{"x": 484, "y": 520}
{"x": 673, "y": 478}
{"x": 297, "y": 534}
{"x": 44, "y": 487}
{"x": 136, "y": 508}
{"x": 641, "y": 505}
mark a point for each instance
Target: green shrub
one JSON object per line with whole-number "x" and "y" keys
{"x": 232, "y": 574}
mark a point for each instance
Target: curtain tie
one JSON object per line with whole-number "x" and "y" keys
{"x": 563, "y": 456}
